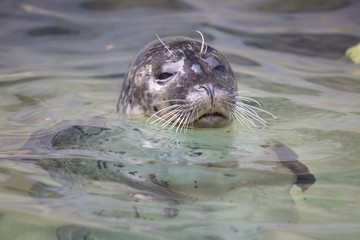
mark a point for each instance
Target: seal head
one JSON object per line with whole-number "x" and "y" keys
{"x": 179, "y": 82}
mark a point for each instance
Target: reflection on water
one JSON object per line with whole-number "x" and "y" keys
{"x": 86, "y": 173}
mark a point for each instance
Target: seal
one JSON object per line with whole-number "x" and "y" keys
{"x": 183, "y": 82}
{"x": 178, "y": 82}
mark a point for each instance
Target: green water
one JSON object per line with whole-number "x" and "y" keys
{"x": 62, "y": 64}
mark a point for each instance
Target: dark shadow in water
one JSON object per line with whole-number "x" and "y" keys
{"x": 282, "y": 88}
{"x": 26, "y": 101}
{"x": 302, "y": 5}
{"x": 110, "y": 76}
{"x": 332, "y": 46}
{"x": 73, "y": 232}
{"x": 241, "y": 60}
{"x": 52, "y": 31}
{"x": 107, "y": 5}
{"x": 4, "y": 84}
{"x": 345, "y": 84}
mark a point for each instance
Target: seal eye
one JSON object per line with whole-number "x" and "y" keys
{"x": 163, "y": 77}
{"x": 220, "y": 68}
{"x": 215, "y": 65}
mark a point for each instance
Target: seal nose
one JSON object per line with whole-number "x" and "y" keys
{"x": 210, "y": 90}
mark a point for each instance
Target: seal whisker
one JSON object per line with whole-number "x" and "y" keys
{"x": 163, "y": 120}
{"x": 185, "y": 126}
{"x": 250, "y": 117}
{"x": 247, "y": 99}
{"x": 161, "y": 110}
{"x": 197, "y": 113}
{"x": 247, "y": 108}
{"x": 174, "y": 116}
{"x": 240, "y": 91}
{"x": 202, "y": 41}
{"x": 186, "y": 123}
{"x": 172, "y": 53}
{"x": 256, "y": 117}
{"x": 187, "y": 120}
{"x": 248, "y": 111}
{"x": 183, "y": 117}
{"x": 244, "y": 117}
{"x": 190, "y": 115}
{"x": 234, "y": 117}
{"x": 259, "y": 109}
{"x": 173, "y": 124}
{"x": 173, "y": 100}
{"x": 240, "y": 119}
{"x": 159, "y": 118}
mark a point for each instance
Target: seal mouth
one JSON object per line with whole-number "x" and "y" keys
{"x": 211, "y": 120}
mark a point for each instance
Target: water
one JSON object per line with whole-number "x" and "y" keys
{"x": 61, "y": 65}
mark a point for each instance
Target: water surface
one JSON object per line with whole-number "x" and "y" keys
{"x": 62, "y": 64}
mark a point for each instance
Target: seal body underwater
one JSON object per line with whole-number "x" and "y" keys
{"x": 183, "y": 82}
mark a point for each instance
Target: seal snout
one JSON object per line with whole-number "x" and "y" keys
{"x": 211, "y": 110}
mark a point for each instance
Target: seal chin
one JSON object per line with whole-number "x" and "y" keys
{"x": 213, "y": 120}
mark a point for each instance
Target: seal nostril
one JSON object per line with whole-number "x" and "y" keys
{"x": 210, "y": 90}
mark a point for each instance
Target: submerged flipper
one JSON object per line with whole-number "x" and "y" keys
{"x": 289, "y": 159}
